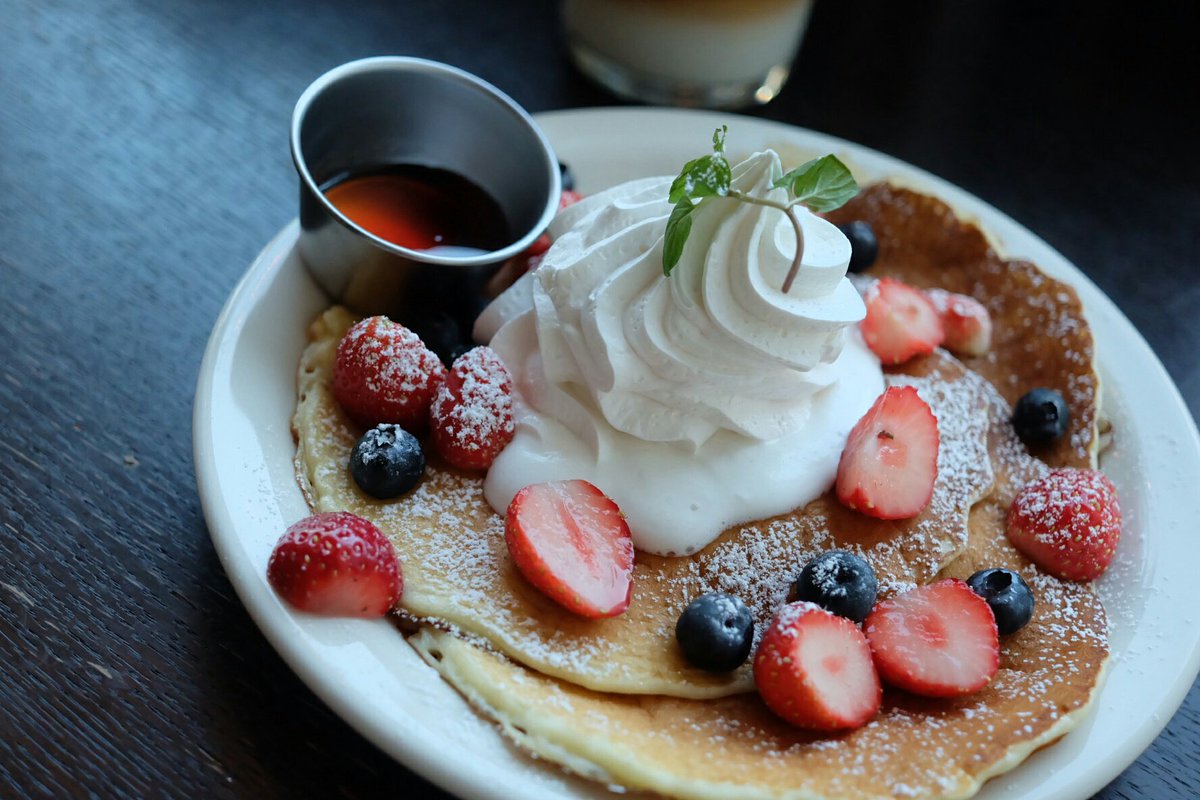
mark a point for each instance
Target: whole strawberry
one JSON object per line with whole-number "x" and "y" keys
{"x": 384, "y": 373}
{"x": 336, "y": 564}
{"x": 1067, "y": 523}
{"x": 472, "y": 414}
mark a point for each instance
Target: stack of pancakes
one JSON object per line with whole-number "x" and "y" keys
{"x": 614, "y": 699}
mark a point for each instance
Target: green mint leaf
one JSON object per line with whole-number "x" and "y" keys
{"x": 679, "y": 225}
{"x": 706, "y": 176}
{"x": 822, "y": 184}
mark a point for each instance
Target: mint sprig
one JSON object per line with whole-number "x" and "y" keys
{"x": 706, "y": 176}
{"x": 822, "y": 184}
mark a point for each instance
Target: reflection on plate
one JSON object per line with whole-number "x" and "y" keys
{"x": 244, "y": 449}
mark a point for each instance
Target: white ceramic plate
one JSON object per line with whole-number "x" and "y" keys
{"x": 244, "y": 449}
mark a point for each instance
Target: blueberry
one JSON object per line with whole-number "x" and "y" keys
{"x": 387, "y": 461}
{"x": 1008, "y": 595}
{"x": 839, "y": 582}
{"x": 864, "y": 247}
{"x": 1041, "y": 416}
{"x": 442, "y": 333}
{"x": 715, "y": 632}
{"x": 568, "y": 178}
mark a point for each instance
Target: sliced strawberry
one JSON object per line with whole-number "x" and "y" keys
{"x": 938, "y": 640}
{"x": 900, "y": 322}
{"x": 384, "y": 373}
{"x": 1068, "y": 523}
{"x": 965, "y": 322}
{"x": 472, "y": 414}
{"x": 814, "y": 669}
{"x": 337, "y": 564}
{"x": 571, "y": 542}
{"x": 889, "y": 464}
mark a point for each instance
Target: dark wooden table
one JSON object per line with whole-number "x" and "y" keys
{"x": 144, "y": 162}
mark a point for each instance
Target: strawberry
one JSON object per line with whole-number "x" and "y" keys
{"x": 569, "y": 197}
{"x": 889, "y": 464}
{"x": 938, "y": 640}
{"x": 539, "y": 246}
{"x": 337, "y": 564}
{"x": 384, "y": 373}
{"x": 814, "y": 669}
{"x": 471, "y": 414}
{"x": 571, "y": 542}
{"x": 965, "y": 322}
{"x": 533, "y": 262}
{"x": 531, "y": 258}
{"x": 900, "y": 322}
{"x": 1067, "y": 523}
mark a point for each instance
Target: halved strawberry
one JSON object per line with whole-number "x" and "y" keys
{"x": 965, "y": 322}
{"x": 889, "y": 464}
{"x": 901, "y": 322}
{"x": 570, "y": 541}
{"x": 814, "y": 669}
{"x": 938, "y": 640}
{"x": 338, "y": 564}
{"x": 384, "y": 373}
{"x": 1068, "y": 523}
{"x": 472, "y": 413}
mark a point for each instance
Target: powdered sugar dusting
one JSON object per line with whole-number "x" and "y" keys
{"x": 457, "y": 567}
{"x": 384, "y": 373}
{"x": 1069, "y": 513}
{"x": 913, "y": 747}
{"x": 392, "y": 357}
{"x": 472, "y": 411}
{"x": 826, "y": 576}
{"x": 1040, "y": 334}
{"x": 459, "y": 573}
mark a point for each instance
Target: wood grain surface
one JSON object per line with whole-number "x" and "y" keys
{"x": 143, "y": 163}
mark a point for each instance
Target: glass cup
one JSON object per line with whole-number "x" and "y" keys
{"x": 702, "y": 53}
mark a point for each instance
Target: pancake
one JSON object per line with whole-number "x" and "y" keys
{"x": 613, "y": 700}
{"x": 458, "y": 573}
{"x": 1050, "y": 672}
{"x": 1041, "y": 337}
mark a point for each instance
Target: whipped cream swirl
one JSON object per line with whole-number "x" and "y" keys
{"x": 697, "y": 401}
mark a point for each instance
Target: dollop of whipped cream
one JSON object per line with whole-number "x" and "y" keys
{"x": 696, "y": 401}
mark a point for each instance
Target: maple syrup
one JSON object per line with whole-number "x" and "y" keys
{"x": 421, "y": 208}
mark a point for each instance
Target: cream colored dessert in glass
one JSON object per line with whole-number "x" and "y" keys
{"x": 711, "y": 53}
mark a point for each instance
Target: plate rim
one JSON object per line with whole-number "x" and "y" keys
{"x": 422, "y": 755}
